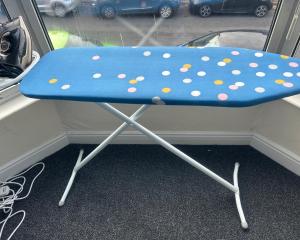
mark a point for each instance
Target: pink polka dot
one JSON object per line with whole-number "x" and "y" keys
{"x": 288, "y": 84}
{"x": 233, "y": 87}
{"x": 235, "y": 53}
{"x": 122, "y": 75}
{"x": 132, "y": 89}
{"x": 293, "y": 64}
{"x": 254, "y": 65}
{"x": 223, "y": 96}
{"x": 184, "y": 69}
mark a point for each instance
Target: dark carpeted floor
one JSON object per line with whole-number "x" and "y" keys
{"x": 144, "y": 192}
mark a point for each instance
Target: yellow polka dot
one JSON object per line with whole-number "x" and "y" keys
{"x": 284, "y": 56}
{"x": 218, "y": 82}
{"x": 133, "y": 81}
{"x": 227, "y": 60}
{"x": 279, "y": 81}
{"x": 53, "y": 80}
{"x": 166, "y": 90}
{"x": 188, "y": 66}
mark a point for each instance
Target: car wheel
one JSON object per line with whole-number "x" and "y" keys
{"x": 108, "y": 12}
{"x": 165, "y": 11}
{"x": 261, "y": 11}
{"x": 59, "y": 10}
{"x": 205, "y": 11}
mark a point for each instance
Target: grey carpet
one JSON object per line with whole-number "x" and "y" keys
{"x": 144, "y": 192}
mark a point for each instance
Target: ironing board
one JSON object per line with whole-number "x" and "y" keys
{"x": 220, "y": 77}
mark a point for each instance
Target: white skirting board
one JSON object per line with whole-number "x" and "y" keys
{"x": 178, "y": 137}
{"x": 276, "y": 152}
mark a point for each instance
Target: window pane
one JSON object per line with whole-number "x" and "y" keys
{"x": 242, "y": 23}
{"x": 3, "y": 17}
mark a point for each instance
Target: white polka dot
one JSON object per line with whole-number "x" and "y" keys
{"x": 260, "y": 90}
{"x": 236, "y": 72}
{"x": 195, "y": 93}
{"x": 288, "y": 74}
{"x": 205, "y": 58}
{"x": 240, "y": 84}
{"x": 187, "y": 80}
{"x": 97, "y": 75}
{"x": 201, "y": 73}
{"x": 140, "y": 78}
{"x": 260, "y": 74}
{"x": 221, "y": 64}
{"x": 65, "y": 87}
{"x": 298, "y": 74}
{"x": 273, "y": 66}
{"x": 147, "y": 53}
{"x": 258, "y": 54}
{"x": 122, "y": 75}
{"x": 166, "y": 55}
{"x": 166, "y": 73}
{"x": 96, "y": 57}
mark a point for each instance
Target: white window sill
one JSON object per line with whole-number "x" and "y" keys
{"x": 14, "y": 105}
{"x": 294, "y": 100}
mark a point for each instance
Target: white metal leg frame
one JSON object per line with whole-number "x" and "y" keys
{"x": 132, "y": 121}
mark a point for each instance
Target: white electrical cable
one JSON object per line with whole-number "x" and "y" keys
{"x": 16, "y": 187}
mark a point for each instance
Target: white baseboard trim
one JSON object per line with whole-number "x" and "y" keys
{"x": 279, "y": 154}
{"x": 273, "y": 150}
{"x": 179, "y": 137}
{"x": 35, "y": 155}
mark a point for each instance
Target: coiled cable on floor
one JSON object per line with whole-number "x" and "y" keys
{"x": 16, "y": 186}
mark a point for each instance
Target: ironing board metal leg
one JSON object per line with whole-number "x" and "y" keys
{"x": 111, "y": 137}
{"x": 237, "y": 197}
{"x": 233, "y": 187}
{"x": 79, "y": 164}
{"x": 168, "y": 146}
{"x": 71, "y": 180}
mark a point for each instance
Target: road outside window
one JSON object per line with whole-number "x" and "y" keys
{"x": 194, "y": 23}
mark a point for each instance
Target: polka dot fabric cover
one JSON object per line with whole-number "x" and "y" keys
{"x": 230, "y": 77}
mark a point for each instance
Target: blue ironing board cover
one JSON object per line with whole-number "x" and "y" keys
{"x": 230, "y": 77}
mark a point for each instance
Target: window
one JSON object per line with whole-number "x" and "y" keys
{"x": 241, "y": 23}
{"x": 3, "y": 16}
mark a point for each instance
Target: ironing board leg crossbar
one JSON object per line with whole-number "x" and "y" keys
{"x": 132, "y": 121}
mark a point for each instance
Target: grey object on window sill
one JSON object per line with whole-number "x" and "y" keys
{"x": 6, "y": 82}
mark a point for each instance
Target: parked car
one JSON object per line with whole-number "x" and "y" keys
{"x": 205, "y": 8}
{"x": 111, "y": 8}
{"x": 57, "y": 8}
{"x": 243, "y": 38}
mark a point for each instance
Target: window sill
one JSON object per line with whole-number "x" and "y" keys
{"x": 294, "y": 100}
{"x": 14, "y": 105}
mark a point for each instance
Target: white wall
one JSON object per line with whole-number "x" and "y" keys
{"x": 89, "y": 117}
{"x": 26, "y": 130}
{"x": 46, "y": 126}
